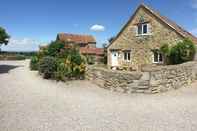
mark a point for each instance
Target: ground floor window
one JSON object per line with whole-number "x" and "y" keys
{"x": 157, "y": 57}
{"x": 127, "y": 56}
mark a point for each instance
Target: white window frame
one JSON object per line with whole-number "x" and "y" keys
{"x": 128, "y": 56}
{"x": 158, "y": 58}
{"x": 142, "y": 27}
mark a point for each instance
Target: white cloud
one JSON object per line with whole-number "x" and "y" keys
{"x": 97, "y": 28}
{"x": 24, "y": 44}
{"x": 194, "y": 4}
{"x": 194, "y": 31}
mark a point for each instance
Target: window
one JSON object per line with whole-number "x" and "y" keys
{"x": 145, "y": 29}
{"x": 158, "y": 57}
{"x": 127, "y": 56}
{"x": 142, "y": 29}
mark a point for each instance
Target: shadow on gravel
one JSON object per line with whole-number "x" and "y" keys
{"x": 6, "y": 68}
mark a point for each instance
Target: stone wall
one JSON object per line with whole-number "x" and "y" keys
{"x": 164, "y": 78}
{"x": 152, "y": 79}
{"x": 127, "y": 82}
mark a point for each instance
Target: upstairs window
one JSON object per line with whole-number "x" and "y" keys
{"x": 142, "y": 29}
{"x": 127, "y": 56}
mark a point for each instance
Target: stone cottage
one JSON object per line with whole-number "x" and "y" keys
{"x": 138, "y": 42}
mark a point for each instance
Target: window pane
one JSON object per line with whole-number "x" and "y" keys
{"x": 160, "y": 57}
{"x": 140, "y": 29}
{"x": 129, "y": 56}
{"x": 125, "y": 56}
{"x": 145, "y": 29}
{"x": 155, "y": 57}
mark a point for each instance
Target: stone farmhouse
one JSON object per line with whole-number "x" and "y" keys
{"x": 138, "y": 42}
{"x": 86, "y": 44}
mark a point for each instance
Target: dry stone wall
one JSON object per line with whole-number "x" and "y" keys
{"x": 152, "y": 79}
{"x": 127, "y": 82}
{"x": 164, "y": 78}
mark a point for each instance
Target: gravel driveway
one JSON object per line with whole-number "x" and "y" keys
{"x": 29, "y": 103}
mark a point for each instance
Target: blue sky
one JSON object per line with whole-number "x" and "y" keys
{"x": 34, "y": 22}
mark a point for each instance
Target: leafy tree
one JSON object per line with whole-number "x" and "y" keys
{"x": 4, "y": 37}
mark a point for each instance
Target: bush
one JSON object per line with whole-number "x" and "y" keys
{"x": 68, "y": 70}
{"x": 165, "y": 50}
{"x": 20, "y": 57}
{"x": 60, "y": 63}
{"x": 48, "y": 67}
{"x": 75, "y": 65}
{"x": 55, "y": 48}
{"x": 61, "y": 72}
{"x": 34, "y": 63}
{"x": 14, "y": 57}
{"x": 91, "y": 60}
{"x": 181, "y": 52}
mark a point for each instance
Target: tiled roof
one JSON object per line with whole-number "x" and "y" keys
{"x": 92, "y": 51}
{"x": 76, "y": 38}
{"x": 172, "y": 24}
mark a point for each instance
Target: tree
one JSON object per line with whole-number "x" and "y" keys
{"x": 4, "y": 37}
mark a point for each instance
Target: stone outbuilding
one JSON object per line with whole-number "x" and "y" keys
{"x": 138, "y": 42}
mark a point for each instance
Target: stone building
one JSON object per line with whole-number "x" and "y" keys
{"x": 138, "y": 42}
{"x": 86, "y": 44}
{"x": 87, "y": 41}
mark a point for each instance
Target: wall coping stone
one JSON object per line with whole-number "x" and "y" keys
{"x": 153, "y": 68}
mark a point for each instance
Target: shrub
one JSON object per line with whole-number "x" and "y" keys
{"x": 55, "y": 48}
{"x": 34, "y": 63}
{"x": 20, "y": 57}
{"x": 68, "y": 70}
{"x": 76, "y": 59}
{"x": 15, "y": 57}
{"x": 48, "y": 67}
{"x": 90, "y": 60}
{"x": 79, "y": 71}
{"x": 60, "y": 74}
{"x": 165, "y": 50}
{"x": 104, "y": 59}
{"x": 181, "y": 52}
{"x": 42, "y": 53}
{"x": 60, "y": 63}
{"x": 75, "y": 66}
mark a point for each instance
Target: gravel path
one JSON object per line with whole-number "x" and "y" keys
{"x": 29, "y": 103}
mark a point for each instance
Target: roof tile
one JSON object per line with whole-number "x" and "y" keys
{"x": 76, "y": 38}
